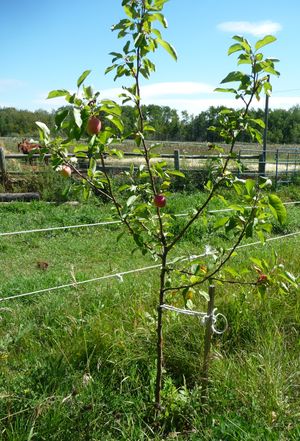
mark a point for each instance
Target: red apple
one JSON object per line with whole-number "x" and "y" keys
{"x": 93, "y": 125}
{"x": 65, "y": 171}
{"x": 263, "y": 278}
{"x": 159, "y": 200}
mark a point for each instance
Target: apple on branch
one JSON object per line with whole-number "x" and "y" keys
{"x": 64, "y": 170}
{"x": 93, "y": 125}
{"x": 160, "y": 200}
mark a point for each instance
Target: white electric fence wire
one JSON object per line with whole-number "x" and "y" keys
{"x": 103, "y": 223}
{"x": 120, "y": 275}
{"x": 67, "y": 227}
{"x": 204, "y": 317}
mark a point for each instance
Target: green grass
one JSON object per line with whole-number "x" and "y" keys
{"x": 79, "y": 363}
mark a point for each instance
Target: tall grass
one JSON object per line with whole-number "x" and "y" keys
{"x": 79, "y": 363}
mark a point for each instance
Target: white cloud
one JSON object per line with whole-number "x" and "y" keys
{"x": 175, "y": 88}
{"x": 193, "y": 97}
{"x": 197, "y": 105}
{"x": 258, "y": 28}
{"x": 42, "y": 102}
{"x": 164, "y": 89}
{"x": 284, "y": 102}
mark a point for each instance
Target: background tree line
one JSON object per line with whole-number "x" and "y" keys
{"x": 283, "y": 126}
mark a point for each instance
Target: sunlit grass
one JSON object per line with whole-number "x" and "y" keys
{"x": 79, "y": 363}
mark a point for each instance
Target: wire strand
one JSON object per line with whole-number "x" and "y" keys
{"x": 120, "y": 275}
{"x": 103, "y": 223}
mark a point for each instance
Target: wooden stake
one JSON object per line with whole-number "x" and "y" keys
{"x": 207, "y": 344}
{"x": 2, "y": 164}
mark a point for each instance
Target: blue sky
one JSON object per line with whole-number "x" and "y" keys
{"x": 47, "y": 44}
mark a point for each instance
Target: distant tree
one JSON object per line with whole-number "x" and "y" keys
{"x": 22, "y": 122}
{"x": 283, "y": 125}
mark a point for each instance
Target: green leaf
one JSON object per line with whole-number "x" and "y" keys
{"x": 148, "y": 128}
{"x": 264, "y": 182}
{"x": 92, "y": 165}
{"x": 235, "y": 48}
{"x": 277, "y": 208}
{"x": 250, "y": 186}
{"x": 258, "y": 121}
{"x": 261, "y": 236}
{"x": 238, "y": 38}
{"x": 88, "y": 92}
{"x": 233, "y": 76}
{"x": 77, "y": 117}
{"x": 270, "y": 69}
{"x": 160, "y": 17}
{"x": 231, "y": 271}
{"x": 128, "y": 11}
{"x": 264, "y": 41}
{"x": 109, "y": 106}
{"x": 110, "y": 68}
{"x": 244, "y": 59}
{"x": 255, "y": 134}
{"x": 221, "y": 89}
{"x": 157, "y": 33}
{"x": 80, "y": 148}
{"x": 267, "y": 88}
{"x": 60, "y": 115}
{"x": 168, "y": 47}
{"x": 176, "y": 173}
{"x": 131, "y": 200}
{"x": 57, "y": 93}
{"x": 83, "y": 77}
{"x": 244, "y": 43}
{"x": 237, "y": 207}
{"x": 116, "y": 121}
{"x": 289, "y": 276}
{"x": 204, "y": 294}
{"x": 256, "y": 261}
{"x": 44, "y": 132}
{"x": 43, "y": 128}
{"x": 221, "y": 222}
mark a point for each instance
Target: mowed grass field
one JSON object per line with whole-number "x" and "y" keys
{"x": 79, "y": 363}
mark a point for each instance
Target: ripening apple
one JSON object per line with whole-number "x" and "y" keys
{"x": 93, "y": 125}
{"x": 65, "y": 171}
{"x": 159, "y": 200}
{"x": 263, "y": 278}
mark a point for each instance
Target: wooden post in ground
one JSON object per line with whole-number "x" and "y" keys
{"x": 276, "y": 170}
{"x": 3, "y": 169}
{"x": 261, "y": 165}
{"x": 207, "y": 344}
{"x": 177, "y": 159}
{"x": 239, "y": 163}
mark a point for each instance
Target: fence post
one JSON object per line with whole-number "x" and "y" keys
{"x": 3, "y": 169}
{"x": 261, "y": 165}
{"x": 276, "y": 170}
{"x": 239, "y": 164}
{"x": 207, "y": 343}
{"x": 287, "y": 166}
{"x": 177, "y": 159}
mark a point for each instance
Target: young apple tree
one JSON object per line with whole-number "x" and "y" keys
{"x": 93, "y": 129}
